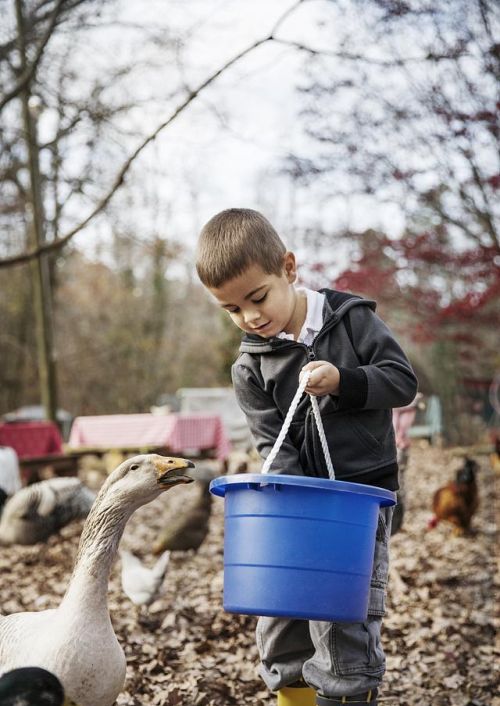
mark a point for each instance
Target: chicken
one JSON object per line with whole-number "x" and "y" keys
{"x": 140, "y": 583}
{"x": 34, "y": 513}
{"x": 457, "y": 501}
{"x": 31, "y": 686}
{"x": 189, "y": 529}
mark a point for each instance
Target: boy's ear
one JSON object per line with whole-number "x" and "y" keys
{"x": 290, "y": 267}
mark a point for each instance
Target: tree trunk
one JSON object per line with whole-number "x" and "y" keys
{"x": 36, "y": 224}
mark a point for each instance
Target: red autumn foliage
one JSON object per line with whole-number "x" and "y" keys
{"x": 425, "y": 288}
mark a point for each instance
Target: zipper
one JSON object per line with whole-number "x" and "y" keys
{"x": 311, "y": 354}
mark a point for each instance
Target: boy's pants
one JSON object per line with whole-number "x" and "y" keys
{"x": 335, "y": 659}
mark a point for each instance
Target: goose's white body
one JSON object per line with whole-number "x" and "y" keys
{"x": 76, "y": 641}
{"x": 91, "y": 662}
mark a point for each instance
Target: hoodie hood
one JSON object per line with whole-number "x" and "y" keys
{"x": 337, "y": 304}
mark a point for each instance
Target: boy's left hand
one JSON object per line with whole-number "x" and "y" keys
{"x": 324, "y": 379}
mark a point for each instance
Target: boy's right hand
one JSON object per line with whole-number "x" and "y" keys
{"x": 324, "y": 378}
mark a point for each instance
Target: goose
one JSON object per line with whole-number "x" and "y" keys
{"x": 35, "y": 512}
{"x": 76, "y": 640}
{"x": 32, "y": 686}
{"x": 140, "y": 583}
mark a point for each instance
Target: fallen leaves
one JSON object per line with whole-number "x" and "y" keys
{"x": 185, "y": 651}
{"x": 441, "y": 613}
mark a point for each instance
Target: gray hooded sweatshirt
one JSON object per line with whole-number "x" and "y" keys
{"x": 375, "y": 376}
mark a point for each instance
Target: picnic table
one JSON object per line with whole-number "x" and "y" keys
{"x": 38, "y": 445}
{"x": 29, "y": 439}
{"x": 188, "y": 434}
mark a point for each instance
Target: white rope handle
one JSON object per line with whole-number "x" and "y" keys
{"x": 288, "y": 420}
{"x": 322, "y": 437}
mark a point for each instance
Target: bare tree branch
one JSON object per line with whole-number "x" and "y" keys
{"x": 119, "y": 179}
{"x": 452, "y": 55}
{"x": 29, "y": 72}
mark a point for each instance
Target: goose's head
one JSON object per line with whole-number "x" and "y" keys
{"x": 143, "y": 478}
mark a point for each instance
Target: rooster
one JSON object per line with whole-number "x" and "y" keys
{"x": 457, "y": 501}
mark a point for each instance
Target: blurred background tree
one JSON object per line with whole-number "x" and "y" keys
{"x": 57, "y": 57}
{"x": 397, "y": 112}
{"x": 410, "y": 117}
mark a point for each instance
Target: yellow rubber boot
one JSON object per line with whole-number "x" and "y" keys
{"x": 292, "y": 696}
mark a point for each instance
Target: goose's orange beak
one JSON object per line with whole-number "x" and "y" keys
{"x": 171, "y": 470}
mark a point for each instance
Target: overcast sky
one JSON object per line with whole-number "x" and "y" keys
{"x": 227, "y": 147}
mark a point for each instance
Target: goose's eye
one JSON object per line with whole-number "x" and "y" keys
{"x": 134, "y": 466}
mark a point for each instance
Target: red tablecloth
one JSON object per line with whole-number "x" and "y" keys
{"x": 31, "y": 438}
{"x": 180, "y": 433}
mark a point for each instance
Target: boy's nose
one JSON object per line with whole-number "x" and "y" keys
{"x": 251, "y": 316}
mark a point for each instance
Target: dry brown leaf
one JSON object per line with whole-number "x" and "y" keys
{"x": 438, "y": 631}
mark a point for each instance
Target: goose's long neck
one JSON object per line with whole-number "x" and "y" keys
{"x": 96, "y": 553}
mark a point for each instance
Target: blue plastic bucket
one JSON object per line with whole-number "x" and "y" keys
{"x": 299, "y": 547}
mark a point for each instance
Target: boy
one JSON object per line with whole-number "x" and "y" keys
{"x": 359, "y": 373}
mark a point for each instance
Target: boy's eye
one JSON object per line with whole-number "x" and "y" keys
{"x": 262, "y": 298}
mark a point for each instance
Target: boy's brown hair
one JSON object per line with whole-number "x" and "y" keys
{"x": 232, "y": 241}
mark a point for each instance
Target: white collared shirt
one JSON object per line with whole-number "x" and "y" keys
{"x": 314, "y": 318}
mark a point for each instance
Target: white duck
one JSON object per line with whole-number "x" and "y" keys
{"x": 76, "y": 641}
{"x": 34, "y": 513}
{"x": 140, "y": 583}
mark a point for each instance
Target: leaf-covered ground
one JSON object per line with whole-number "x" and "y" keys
{"x": 439, "y": 629}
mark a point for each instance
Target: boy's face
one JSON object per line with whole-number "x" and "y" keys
{"x": 261, "y": 303}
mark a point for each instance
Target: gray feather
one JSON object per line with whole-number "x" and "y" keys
{"x": 39, "y": 510}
